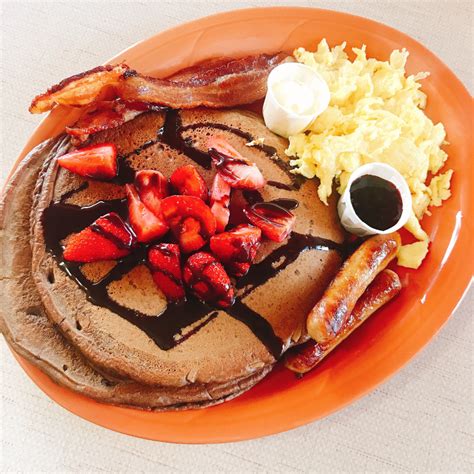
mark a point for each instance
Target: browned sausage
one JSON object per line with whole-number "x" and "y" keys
{"x": 332, "y": 311}
{"x": 385, "y": 286}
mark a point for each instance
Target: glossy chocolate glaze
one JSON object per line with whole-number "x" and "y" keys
{"x": 286, "y": 203}
{"x": 270, "y": 211}
{"x": 168, "y": 328}
{"x": 126, "y": 173}
{"x": 252, "y": 196}
{"x": 172, "y": 136}
{"x": 284, "y": 186}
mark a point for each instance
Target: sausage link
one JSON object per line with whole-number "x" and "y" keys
{"x": 332, "y": 311}
{"x": 385, "y": 286}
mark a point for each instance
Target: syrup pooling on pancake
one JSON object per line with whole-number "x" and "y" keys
{"x": 172, "y": 326}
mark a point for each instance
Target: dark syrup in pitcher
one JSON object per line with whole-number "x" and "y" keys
{"x": 376, "y": 201}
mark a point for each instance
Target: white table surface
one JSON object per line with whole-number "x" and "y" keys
{"x": 420, "y": 420}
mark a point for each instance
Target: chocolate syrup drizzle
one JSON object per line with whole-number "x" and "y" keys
{"x": 169, "y": 328}
{"x": 60, "y": 220}
{"x": 200, "y": 157}
{"x": 286, "y": 203}
{"x": 126, "y": 174}
{"x": 64, "y": 197}
{"x": 172, "y": 136}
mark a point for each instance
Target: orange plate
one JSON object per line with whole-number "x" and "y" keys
{"x": 391, "y": 337}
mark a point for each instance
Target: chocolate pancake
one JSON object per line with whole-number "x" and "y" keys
{"x": 29, "y": 331}
{"x": 112, "y": 311}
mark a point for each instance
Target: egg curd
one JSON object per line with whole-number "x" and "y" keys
{"x": 375, "y": 115}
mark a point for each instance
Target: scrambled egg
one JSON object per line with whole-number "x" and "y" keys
{"x": 411, "y": 255}
{"x": 375, "y": 115}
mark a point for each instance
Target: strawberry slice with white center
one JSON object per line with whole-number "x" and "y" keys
{"x": 188, "y": 182}
{"x": 152, "y": 187}
{"x": 190, "y": 220}
{"x": 164, "y": 263}
{"x": 208, "y": 280}
{"x": 146, "y": 225}
{"x": 237, "y": 248}
{"x": 275, "y": 221}
{"x": 96, "y": 161}
{"x": 108, "y": 238}
{"x": 236, "y": 170}
{"x": 219, "y": 202}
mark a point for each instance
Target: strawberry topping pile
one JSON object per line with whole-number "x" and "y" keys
{"x": 190, "y": 220}
{"x": 185, "y": 227}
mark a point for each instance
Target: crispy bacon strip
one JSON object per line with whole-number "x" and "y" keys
{"x": 197, "y": 71}
{"x": 80, "y": 89}
{"x": 105, "y": 115}
{"x": 220, "y": 84}
{"x": 385, "y": 286}
{"x": 216, "y": 83}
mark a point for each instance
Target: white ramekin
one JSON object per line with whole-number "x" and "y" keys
{"x": 352, "y": 222}
{"x": 282, "y": 121}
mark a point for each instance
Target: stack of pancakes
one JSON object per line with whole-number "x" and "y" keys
{"x": 47, "y": 318}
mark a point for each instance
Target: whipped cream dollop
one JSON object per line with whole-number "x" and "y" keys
{"x": 296, "y": 95}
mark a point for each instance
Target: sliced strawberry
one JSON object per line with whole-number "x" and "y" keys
{"x": 146, "y": 225}
{"x": 221, "y": 214}
{"x": 164, "y": 263}
{"x": 237, "y": 248}
{"x": 236, "y": 170}
{"x": 275, "y": 221}
{"x": 152, "y": 187}
{"x": 191, "y": 221}
{"x": 96, "y": 161}
{"x": 190, "y": 238}
{"x": 108, "y": 238}
{"x": 238, "y": 269}
{"x": 219, "y": 202}
{"x": 208, "y": 280}
{"x": 188, "y": 182}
